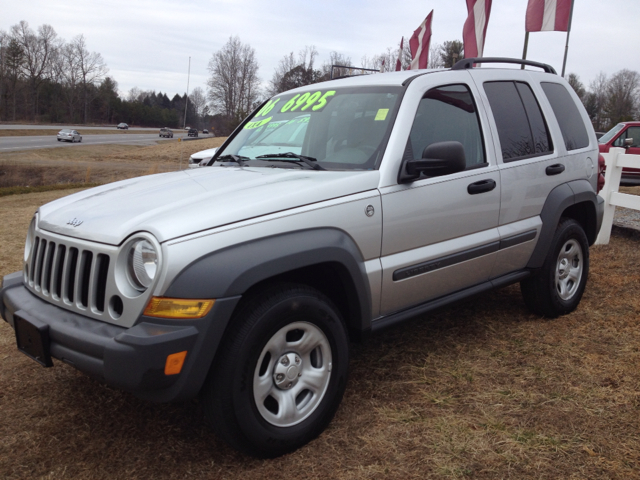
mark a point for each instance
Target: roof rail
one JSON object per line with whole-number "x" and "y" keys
{"x": 466, "y": 63}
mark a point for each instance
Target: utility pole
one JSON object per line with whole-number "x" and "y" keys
{"x": 186, "y": 103}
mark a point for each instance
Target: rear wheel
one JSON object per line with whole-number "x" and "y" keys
{"x": 558, "y": 287}
{"x": 281, "y": 373}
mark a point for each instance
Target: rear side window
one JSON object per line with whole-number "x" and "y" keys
{"x": 571, "y": 124}
{"x": 521, "y": 126}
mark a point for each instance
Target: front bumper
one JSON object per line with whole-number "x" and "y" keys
{"x": 132, "y": 359}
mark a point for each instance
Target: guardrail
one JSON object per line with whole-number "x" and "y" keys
{"x": 615, "y": 161}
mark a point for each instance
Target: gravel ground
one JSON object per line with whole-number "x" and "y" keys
{"x": 627, "y": 218}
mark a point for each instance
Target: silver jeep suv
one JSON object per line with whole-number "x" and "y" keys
{"x": 334, "y": 211}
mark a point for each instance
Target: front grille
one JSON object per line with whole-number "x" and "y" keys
{"x": 84, "y": 277}
{"x": 68, "y": 274}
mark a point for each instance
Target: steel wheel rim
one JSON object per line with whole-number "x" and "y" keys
{"x": 279, "y": 403}
{"x": 569, "y": 268}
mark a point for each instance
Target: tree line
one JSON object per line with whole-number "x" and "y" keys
{"x": 44, "y": 78}
{"x": 233, "y": 86}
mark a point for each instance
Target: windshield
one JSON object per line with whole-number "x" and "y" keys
{"x": 341, "y": 128}
{"x": 611, "y": 133}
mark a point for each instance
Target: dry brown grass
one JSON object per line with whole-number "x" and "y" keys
{"x": 32, "y": 132}
{"x": 96, "y": 163}
{"x": 483, "y": 390}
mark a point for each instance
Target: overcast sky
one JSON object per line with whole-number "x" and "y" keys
{"x": 147, "y": 44}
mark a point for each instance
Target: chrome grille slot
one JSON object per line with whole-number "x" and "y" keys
{"x": 34, "y": 257}
{"x": 58, "y": 269}
{"x": 70, "y": 275}
{"x": 42, "y": 247}
{"x": 100, "y": 279}
{"x": 84, "y": 278}
{"x": 48, "y": 263}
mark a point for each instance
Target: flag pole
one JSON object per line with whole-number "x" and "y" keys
{"x": 566, "y": 47}
{"x": 524, "y": 52}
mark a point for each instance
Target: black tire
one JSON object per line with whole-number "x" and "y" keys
{"x": 558, "y": 287}
{"x": 287, "y": 320}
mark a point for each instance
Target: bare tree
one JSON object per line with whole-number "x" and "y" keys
{"x": 335, "y": 58}
{"x": 623, "y": 90}
{"x": 67, "y": 70}
{"x": 596, "y": 101}
{"x": 233, "y": 87}
{"x": 435, "y": 60}
{"x": 292, "y": 73}
{"x": 199, "y": 101}
{"x": 92, "y": 70}
{"x": 14, "y": 59}
{"x": 37, "y": 51}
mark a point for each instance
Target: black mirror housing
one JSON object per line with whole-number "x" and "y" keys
{"x": 441, "y": 158}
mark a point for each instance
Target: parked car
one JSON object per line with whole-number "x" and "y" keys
{"x": 122, "y": 126}
{"x": 486, "y": 177}
{"x": 205, "y": 131}
{"x": 166, "y": 132}
{"x": 69, "y": 135}
{"x": 202, "y": 157}
{"x": 624, "y": 135}
{"x": 193, "y": 132}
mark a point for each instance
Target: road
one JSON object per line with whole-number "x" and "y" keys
{"x": 59, "y": 127}
{"x": 9, "y": 144}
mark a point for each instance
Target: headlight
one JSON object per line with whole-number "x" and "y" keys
{"x": 142, "y": 264}
{"x": 30, "y": 238}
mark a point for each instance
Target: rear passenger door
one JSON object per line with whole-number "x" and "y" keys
{"x": 535, "y": 153}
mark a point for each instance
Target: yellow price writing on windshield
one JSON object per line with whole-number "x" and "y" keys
{"x": 304, "y": 101}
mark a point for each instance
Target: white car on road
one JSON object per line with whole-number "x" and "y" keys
{"x": 69, "y": 135}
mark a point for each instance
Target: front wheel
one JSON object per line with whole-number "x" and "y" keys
{"x": 281, "y": 373}
{"x": 558, "y": 287}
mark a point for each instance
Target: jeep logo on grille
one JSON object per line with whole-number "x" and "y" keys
{"x": 75, "y": 222}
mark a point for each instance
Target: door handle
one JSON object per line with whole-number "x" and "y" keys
{"x": 554, "y": 169}
{"x": 481, "y": 186}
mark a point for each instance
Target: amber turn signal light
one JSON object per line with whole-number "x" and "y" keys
{"x": 174, "y": 364}
{"x": 177, "y": 307}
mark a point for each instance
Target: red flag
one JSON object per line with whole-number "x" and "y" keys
{"x": 399, "y": 61}
{"x": 419, "y": 43}
{"x": 382, "y": 66}
{"x": 548, "y": 15}
{"x": 475, "y": 28}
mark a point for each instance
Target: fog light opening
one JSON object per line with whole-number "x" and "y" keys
{"x": 116, "y": 307}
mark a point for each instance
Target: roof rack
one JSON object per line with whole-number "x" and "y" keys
{"x": 466, "y": 63}
{"x": 351, "y": 68}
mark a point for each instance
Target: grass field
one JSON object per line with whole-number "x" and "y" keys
{"x": 482, "y": 389}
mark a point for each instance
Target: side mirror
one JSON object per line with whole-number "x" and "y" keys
{"x": 628, "y": 142}
{"x": 441, "y": 158}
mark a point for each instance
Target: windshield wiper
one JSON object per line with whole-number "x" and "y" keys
{"x": 306, "y": 160}
{"x": 239, "y": 159}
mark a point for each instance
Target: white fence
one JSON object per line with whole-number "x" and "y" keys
{"x": 615, "y": 160}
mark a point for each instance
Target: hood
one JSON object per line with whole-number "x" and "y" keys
{"x": 202, "y": 154}
{"x": 171, "y": 205}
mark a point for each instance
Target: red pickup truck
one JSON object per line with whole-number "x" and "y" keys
{"x": 625, "y": 135}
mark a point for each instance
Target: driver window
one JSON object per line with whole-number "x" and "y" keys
{"x": 448, "y": 114}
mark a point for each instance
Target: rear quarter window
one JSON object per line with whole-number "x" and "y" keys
{"x": 521, "y": 126}
{"x": 571, "y": 124}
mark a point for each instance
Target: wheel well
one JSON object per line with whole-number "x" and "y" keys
{"x": 333, "y": 280}
{"x": 584, "y": 213}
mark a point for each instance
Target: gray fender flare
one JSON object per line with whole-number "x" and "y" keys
{"x": 233, "y": 270}
{"x": 559, "y": 199}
